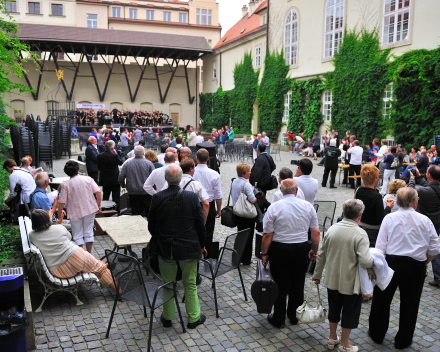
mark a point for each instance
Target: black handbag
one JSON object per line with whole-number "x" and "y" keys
{"x": 227, "y": 215}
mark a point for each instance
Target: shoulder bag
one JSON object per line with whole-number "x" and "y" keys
{"x": 227, "y": 216}
{"x": 273, "y": 183}
{"x": 243, "y": 207}
{"x": 307, "y": 314}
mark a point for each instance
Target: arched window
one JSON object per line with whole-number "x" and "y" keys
{"x": 396, "y": 16}
{"x": 291, "y": 38}
{"x": 333, "y": 27}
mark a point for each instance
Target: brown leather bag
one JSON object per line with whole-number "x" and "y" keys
{"x": 264, "y": 290}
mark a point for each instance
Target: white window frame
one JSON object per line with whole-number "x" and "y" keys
{"x": 283, "y": 138}
{"x": 327, "y": 101}
{"x": 116, "y": 12}
{"x": 201, "y": 73}
{"x": 397, "y": 31}
{"x": 133, "y": 14}
{"x": 197, "y": 16}
{"x": 258, "y": 56}
{"x": 387, "y": 100}
{"x": 92, "y": 22}
{"x": 150, "y": 15}
{"x": 214, "y": 70}
{"x": 287, "y": 99}
{"x": 209, "y": 17}
{"x": 204, "y": 16}
{"x": 333, "y": 27}
{"x": 183, "y": 18}
{"x": 291, "y": 38}
{"x": 12, "y": 8}
{"x": 166, "y": 16}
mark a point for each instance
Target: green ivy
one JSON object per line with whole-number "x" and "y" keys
{"x": 10, "y": 242}
{"x": 273, "y": 87}
{"x": 358, "y": 83}
{"x": 205, "y": 105}
{"x": 415, "y": 114}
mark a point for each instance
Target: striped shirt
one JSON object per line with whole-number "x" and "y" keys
{"x": 77, "y": 193}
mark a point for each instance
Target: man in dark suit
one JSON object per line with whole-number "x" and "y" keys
{"x": 92, "y": 158}
{"x": 262, "y": 170}
{"x": 181, "y": 237}
{"x": 332, "y": 153}
{"x": 115, "y": 112}
{"x": 159, "y": 131}
{"x": 108, "y": 162}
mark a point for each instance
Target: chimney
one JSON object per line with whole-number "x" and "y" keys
{"x": 244, "y": 11}
{"x": 253, "y": 5}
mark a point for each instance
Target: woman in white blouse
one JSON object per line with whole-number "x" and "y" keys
{"x": 393, "y": 187}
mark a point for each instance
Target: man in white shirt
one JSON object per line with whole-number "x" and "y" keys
{"x": 382, "y": 151}
{"x": 284, "y": 174}
{"x": 22, "y": 177}
{"x": 157, "y": 177}
{"x": 188, "y": 183}
{"x": 199, "y": 138}
{"x": 355, "y": 152}
{"x": 305, "y": 181}
{"x": 210, "y": 180}
{"x": 265, "y": 139}
{"x": 192, "y": 139}
{"x": 285, "y": 245}
{"x": 163, "y": 150}
{"x": 410, "y": 242}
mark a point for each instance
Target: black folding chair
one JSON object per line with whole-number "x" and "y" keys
{"x": 130, "y": 285}
{"x": 229, "y": 259}
{"x": 326, "y": 213}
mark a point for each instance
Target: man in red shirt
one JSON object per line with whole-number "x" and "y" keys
{"x": 291, "y": 136}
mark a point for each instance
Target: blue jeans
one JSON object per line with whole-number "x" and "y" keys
{"x": 405, "y": 173}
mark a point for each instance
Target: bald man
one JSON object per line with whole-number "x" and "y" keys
{"x": 92, "y": 158}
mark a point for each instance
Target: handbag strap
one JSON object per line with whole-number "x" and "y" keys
{"x": 230, "y": 189}
{"x": 436, "y": 192}
{"x": 159, "y": 222}
{"x": 308, "y": 293}
{"x": 187, "y": 184}
{"x": 270, "y": 163}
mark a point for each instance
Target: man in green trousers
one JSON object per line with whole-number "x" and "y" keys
{"x": 177, "y": 219}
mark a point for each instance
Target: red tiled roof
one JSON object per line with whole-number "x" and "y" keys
{"x": 242, "y": 28}
{"x": 261, "y": 7}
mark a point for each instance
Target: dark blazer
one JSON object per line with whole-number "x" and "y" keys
{"x": 331, "y": 157}
{"x": 108, "y": 165}
{"x": 429, "y": 201}
{"x": 182, "y": 231}
{"x": 92, "y": 159}
{"x": 160, "y": 131}
{"x": 262, "y": 170}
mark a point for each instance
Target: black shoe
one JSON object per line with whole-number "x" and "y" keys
{"x": 165, "y": 323}
{"x": 323, "y": 185}
{"x": 333, "y": 187}
{"x": 199, "y": 280}
{"x": 197, "y": 323}
{"x": 272, "y": 322}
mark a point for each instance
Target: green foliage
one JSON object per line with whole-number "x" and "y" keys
{"x": 415, "y": 115}
{"x": 205, "y": 105}
{"x": 358, "y": 83}
{"x": 242, "y": 97}
{"x": 4, "y": 151}
{"x": 273, "y": 87}
{"x": 10, "y": 242}
{"x": 220, "y": 109}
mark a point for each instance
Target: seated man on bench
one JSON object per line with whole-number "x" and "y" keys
{"x": 62, "y": 256}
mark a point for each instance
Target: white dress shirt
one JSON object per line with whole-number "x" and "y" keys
{"x": 194, "y": 186}
{"x": 408, "y": 233}
{"x": 380, "y": 154}
{"x": 157, "y": 177}
{"x": 278, "y": 195}
{"x": 309, "y": 186}
{"x": 24, "y": 178}
{"x": 210, "y": 180}
{"x": 356, "y": 155}
{"x": 200, "y": 139}
{"x": 290, "y": 219}
{"x": 160, "y": 158}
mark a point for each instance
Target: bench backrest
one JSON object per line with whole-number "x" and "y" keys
{"x": 24, "y": 235}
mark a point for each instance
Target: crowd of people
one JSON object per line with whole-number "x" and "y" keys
{"x": 391, "y": 236}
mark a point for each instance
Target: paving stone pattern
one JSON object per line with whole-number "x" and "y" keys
{"x": 63, "y": 326}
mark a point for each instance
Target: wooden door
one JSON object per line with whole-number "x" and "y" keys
{"x": 175, "y": 117}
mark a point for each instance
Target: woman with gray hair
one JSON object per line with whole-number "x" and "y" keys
{"x": 344, "y": 246}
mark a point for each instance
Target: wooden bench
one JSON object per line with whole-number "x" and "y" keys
{"x": 50, "y": 283}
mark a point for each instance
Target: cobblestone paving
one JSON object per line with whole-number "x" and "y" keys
{"x": 63, "y": 326}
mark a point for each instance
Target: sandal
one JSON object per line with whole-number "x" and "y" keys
{"x": 332, "y": 343}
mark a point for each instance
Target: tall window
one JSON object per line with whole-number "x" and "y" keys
{"x": 327, "y": 106}
{"x": 34, "y": 7}
{"x": 387, "y": 97}
{"x": 258, "y": 56}
{"x": 167, "y": 16}
{"x": 92, "y": 21}
{"x": 214, "y": 70}
{"x": 203, "y": 16}
{"x": 150, "y": 15}
{"x": 287, "y": 99}
{"x": 291, "y": 38}
{"x": 92, "y": 57}
{"x": 116, "y": 12}
{"x": 57, "y": 10}
{"x": 182, "y": 18}
{"x": 198, "y": 16}
{"x": 11, "y": 6}
{"x": 334, "y": 27}
{"x": 60, "y": 56}
{"x": 210, "y": 17}
{"x": 396, "y": 21}
{"x": 284, "y": 138}
{"x": 133, "y": 14}
{"x": 201, "y": 73}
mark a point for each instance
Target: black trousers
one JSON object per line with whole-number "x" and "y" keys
{"x": 372, "y": 235}
{"x": 327, "y": 170}
{"x": 115, "y": 191}
{"x": 209, "y": 227}
{"x": 243, "y": 224}
{"x": 355, "y": 169}
{"x": 140, "y": 204}
{"x": 288, "y": 265}
{"x": 409, "y": 276}
{"x": 349, "y": 305}
{"x": 94, "y": 175}
{"x": 263, "y": 188}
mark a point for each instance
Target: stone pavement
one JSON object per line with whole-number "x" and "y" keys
{"x": 63, "y": 326}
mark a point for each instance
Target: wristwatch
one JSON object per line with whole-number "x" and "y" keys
{"x": 263, "y": 254}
